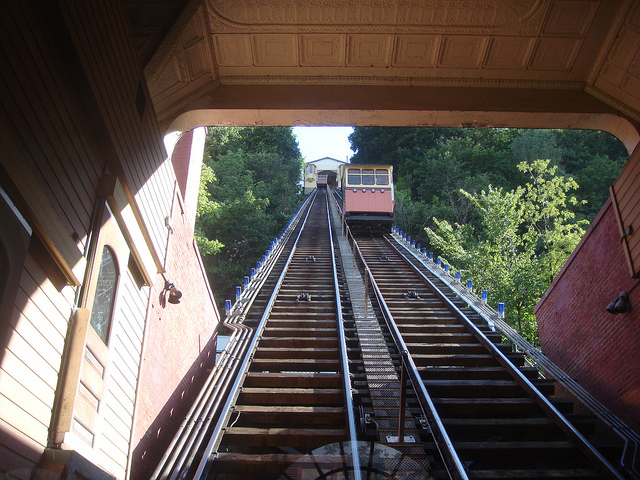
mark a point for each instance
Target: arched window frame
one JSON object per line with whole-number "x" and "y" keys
{"x": 104, "y": 331}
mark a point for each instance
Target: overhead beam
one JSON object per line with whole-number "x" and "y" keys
{"x": 402, "y": 106}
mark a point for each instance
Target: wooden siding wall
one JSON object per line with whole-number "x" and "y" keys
{"x": 40, "y": 117}
{"x": 625, "y": 194}
{"x": 43, "y": 137}
{"x": 111, "y": 447}
{"x": 29, "y": 368}
{"x": 69, "y": 102}
{"x": 102, "y": 38}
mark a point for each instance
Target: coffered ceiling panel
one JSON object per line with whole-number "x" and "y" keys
{"x": 555, "y": 53}
{"x": 233, "y": 50}
{"x": 275, "y": 50}
{"x": 579, "y": 45}
{"x": 369, "y": 50}
{"x": 417, "y": 51}
{"x": 318, "y": 50}
{"x": 459, "y": 51}
{"x": 570, "y": 18}
{"x": 510, "y": 53}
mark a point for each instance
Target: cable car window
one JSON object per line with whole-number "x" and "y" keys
{"x": 382, "y": 177}
{"x": 367, "y": 177}
{"x": 102, "y": 308}
{"x": 353, "y": 176}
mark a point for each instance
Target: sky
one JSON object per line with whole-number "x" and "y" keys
{"x": 319, "y": 142}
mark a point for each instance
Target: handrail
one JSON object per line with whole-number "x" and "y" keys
{"x": 344, "y": 359}
{"x": 216, "y": 435}
{"x": 449, "y": 456}
{"x": 630, "y": 438}
{"x": 180, "y": 453}
{"x": 515, "y": 372}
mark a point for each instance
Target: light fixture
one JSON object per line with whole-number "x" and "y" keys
{"x": 174, "y": 294}
{"x": 620, "y": 304}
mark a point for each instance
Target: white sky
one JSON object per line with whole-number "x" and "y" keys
{"x": 319, "y": 142}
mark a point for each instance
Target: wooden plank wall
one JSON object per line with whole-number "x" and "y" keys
{"x": 39, "y": 114}
{"x": 49, "y": 116}
{"x": 625, "y": 194}
{"x": 119, "y": 400}
{"x": 102, "y": 37}
{"x": 30, "y": 367}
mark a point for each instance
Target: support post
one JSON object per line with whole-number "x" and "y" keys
{"x": 366, "y": 292}
{"x": 403, "y": 395}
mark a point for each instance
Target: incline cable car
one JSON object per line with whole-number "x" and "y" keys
{"x": 368, "y": 196}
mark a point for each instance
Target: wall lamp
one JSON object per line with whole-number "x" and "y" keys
{"x": 620, "y": 304}
{"x": 174, "y": 294}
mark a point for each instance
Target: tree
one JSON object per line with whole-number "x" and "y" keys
{"x": 434, "y": 164}
{"x": 524, "y": 237}
{"x": 547, "y": 202}
{"x": 247, "y": 194}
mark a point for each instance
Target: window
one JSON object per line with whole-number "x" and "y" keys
{"x": 15, "y": 238}
{"x": 382, "y": 176}
{"x": 353, "y": 176}
{"x": 367, "y": 177}
{"x": 102, "y": 308}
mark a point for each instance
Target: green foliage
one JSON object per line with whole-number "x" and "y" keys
{"x": 487, "y": 203}
{"x": 434, "y": 164}
{"x": 248, "y": 192}
{"x": 522, "y": 240}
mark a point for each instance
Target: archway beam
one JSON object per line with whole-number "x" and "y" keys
{"x": 248, "y": 105}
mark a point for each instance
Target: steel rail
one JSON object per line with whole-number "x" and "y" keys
{"x": 540, "y": 361}
{"x": 344, "y": 356}
{"x": 216, "y": 436}
{"x": 582, "y": 443}
{"x": 245, "y": 304}
{"x": 449, "y": 456}
{"x": 181, "y": 451}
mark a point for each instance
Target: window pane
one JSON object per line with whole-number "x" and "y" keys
{"x": 102, "y": 307}
{"x": 368, "y": 177}
{"x": 353, "y": 176}
{"x": 382, "y": 177}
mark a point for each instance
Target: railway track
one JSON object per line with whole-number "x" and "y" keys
{"x": 447, "y": 398}
{"x": 488, "y": 402}
{"x": 292, "y": 399}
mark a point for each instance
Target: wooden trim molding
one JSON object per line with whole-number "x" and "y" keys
{"x": 33, "y": 203}
{"x": 621, "y": 230}
{"x": 68, "y": 384}
{"x": 136, "y": 236}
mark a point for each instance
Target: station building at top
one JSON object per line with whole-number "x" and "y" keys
{"x": 326, "y": 169}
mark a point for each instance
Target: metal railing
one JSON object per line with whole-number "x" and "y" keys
{"x": 494, "y": 320}
{"x": 182, "y": 451}
{"x": 344, "y": 357}
{"x": 454, "y": 466}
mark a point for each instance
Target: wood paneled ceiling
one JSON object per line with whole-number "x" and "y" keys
{"x": 326, "y": 54}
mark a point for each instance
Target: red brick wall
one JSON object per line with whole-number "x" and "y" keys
{"x": 179, "y": 349}
{"x": 600, "y": 350}
{"x": 180, "y": 340}
{"x": 180, "y": 160}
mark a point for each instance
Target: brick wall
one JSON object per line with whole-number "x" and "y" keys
{"x": 180, "y": 342}
{"x": 600, "y": 350}
{"x": 180, "y": 160}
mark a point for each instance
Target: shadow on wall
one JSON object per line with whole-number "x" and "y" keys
{"x": 158, "y": 436}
